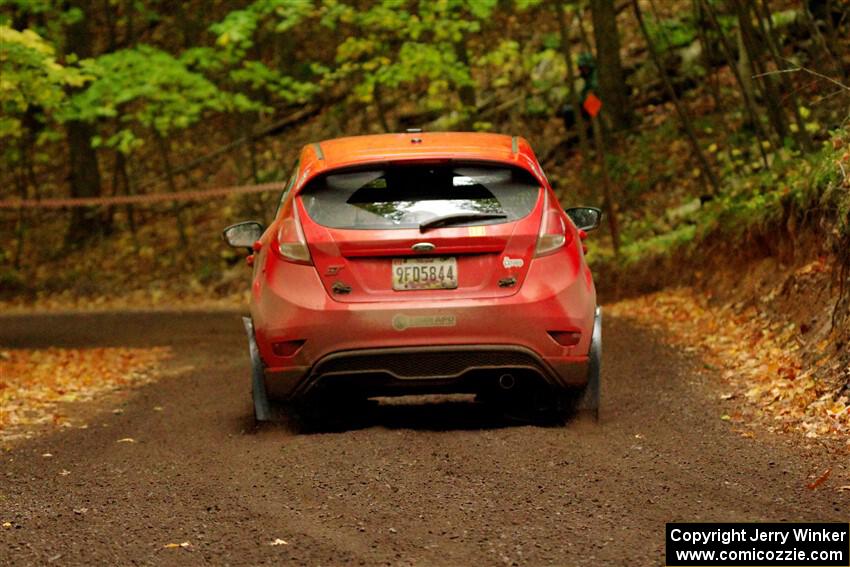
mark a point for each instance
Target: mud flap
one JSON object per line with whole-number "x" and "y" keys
{"x": 588, "y": 401}
{"x": 262, "y": 411}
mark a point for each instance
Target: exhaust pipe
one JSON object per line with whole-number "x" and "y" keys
{"x": 507, "y": 381}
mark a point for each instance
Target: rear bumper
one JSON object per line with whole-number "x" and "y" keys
{"x": 456, "y": 369}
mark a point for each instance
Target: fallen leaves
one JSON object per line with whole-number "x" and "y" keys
{"x": 34, "y": 382}
{"x": 184, "y": 545}
{"x": 819, "y": 480}
{"x": 760, "y": 360}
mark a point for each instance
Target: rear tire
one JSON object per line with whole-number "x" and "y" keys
{"x": 588, "y": 398}
{"x": 262, "y": 411}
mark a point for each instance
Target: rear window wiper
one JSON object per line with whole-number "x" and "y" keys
{"x": 458, "y": 218}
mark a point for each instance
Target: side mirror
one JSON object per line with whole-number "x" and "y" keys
{"x": 585, "y": 218}
{"x": 243, "y": 234}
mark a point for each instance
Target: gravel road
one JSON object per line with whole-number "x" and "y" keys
{"x": 439, "y": 483}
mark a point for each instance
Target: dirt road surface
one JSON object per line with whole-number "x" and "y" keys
{"x": 441, "y": 483}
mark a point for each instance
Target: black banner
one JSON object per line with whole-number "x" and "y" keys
{"x": 758, "y": 545}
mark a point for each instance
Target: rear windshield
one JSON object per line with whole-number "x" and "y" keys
{"x": 406, "y": 196}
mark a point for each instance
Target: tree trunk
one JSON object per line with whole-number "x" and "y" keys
{"x": 84, "y": 181}
{"x": 467, "y": 92}
{"x": 683, "y": 117}
{"x": 802, "y": 135}
{"x": 821, "y": 41}
{"x": 21, "y": 225}
{"x": 164, "y": 153}
{"x": 747, "y": 95}
{"x": 108, "y": 11}
{"x": 615, "y": 92}
{"x": 124, "y": 178}
{"x": 707, "y": 53}
{"x": 189, "y": 23}
{"x": 832, "y": 32}
{"x": 770, "y": 94}
{"x": 84, "y": 176}
{"x": 130, "y": 28}
{"x": 381, "y": 109}
{"x": 610, "y": 204}
{"x": 744, "y": 66}
{"x": 582, "y": 32}
{"x": 581, "y": 126}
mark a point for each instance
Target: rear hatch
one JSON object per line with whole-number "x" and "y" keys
{"x": 413, "y": 231}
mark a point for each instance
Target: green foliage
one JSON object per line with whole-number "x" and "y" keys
{"x": 535, "y": 74}
{"x": 414, "y": 50}
{"x": 660, "y": 245}
{"x": 546, "y": 70}
{"x": 672, "y": 33}
{"x": 784, "y": 18}
{"x": 124, "y": 89}
{"x": 501, "y": 63}
{"x": 752, "y": 201}
{"x": 48, "y": 17}
{"x": 408, "y": 46}
{"x": 238, "y": 33}
{"x": 33, "y": 87}
{"x": 527, "y": 4}
{"x": 260, "y": 77}
{"x": 31, "y": 80}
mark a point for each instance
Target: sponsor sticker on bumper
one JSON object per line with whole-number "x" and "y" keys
{"x": 402, "y": 322}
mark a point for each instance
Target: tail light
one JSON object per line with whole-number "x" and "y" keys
{"x": 553, "y": 233}
{"x": 291, "y": 244}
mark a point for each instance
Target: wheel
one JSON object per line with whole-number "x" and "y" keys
{"x": 588, "y": 399}
{"x": 262, "y": 411}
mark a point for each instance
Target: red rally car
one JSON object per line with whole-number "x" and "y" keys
{"x": 422, "y": 263}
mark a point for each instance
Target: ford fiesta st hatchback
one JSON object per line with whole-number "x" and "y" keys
{"x": 422, "y": 263}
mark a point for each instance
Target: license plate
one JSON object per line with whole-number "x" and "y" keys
{"x": 424, "y": 273}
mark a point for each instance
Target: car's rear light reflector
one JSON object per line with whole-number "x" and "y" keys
{"x": 287, "y": 348}
{"x": 566, "y": 338}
